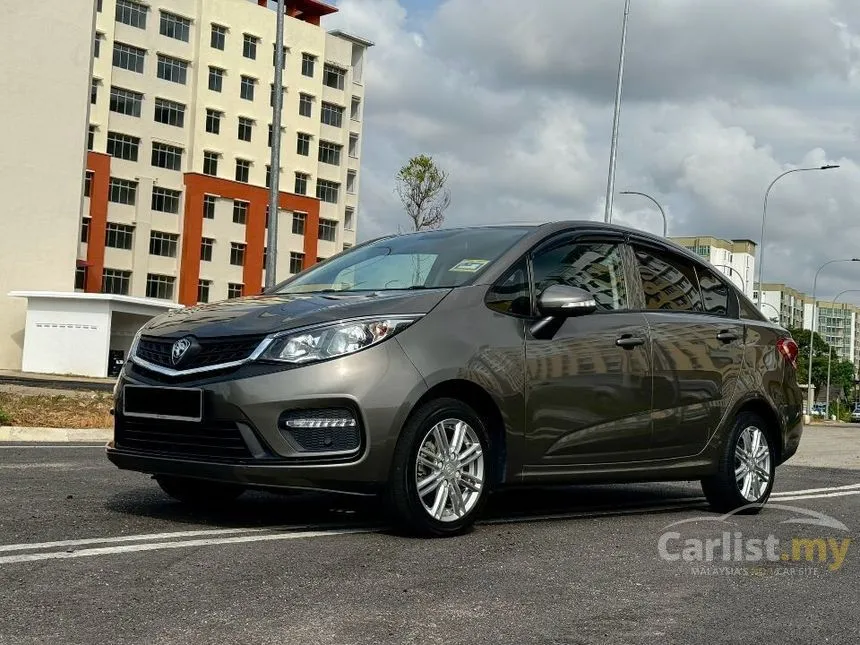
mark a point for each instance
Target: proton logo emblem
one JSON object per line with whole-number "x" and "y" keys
{"x": 180, "y": 347}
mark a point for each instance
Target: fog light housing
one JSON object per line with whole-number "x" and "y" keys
{"x": 334, "y": 430}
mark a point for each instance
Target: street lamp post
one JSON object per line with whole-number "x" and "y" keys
{"x": 656, "y": 203}
{"x": 764, "y": 217}
{"x": 830, "y": 356}
{"x": 616, "y": 118}
{"x": 812, "y": 326}
{"x": 275, "y": 160}
{"x": 734, "y": 270}
{"x": 776, "y": 311}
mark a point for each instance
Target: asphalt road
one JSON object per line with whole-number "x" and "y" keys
{"x": 90, "y": 554}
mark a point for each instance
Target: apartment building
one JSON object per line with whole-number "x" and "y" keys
{"x": 785, "y": 304}
{"x": 176, "y": 191}
{"x": 734, "y": 258}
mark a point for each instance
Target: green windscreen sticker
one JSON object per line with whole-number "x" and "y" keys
{"x": 468, "y": 266}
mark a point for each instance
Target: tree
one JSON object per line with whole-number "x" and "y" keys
{"x": 841, "y": 371}
{"x": 421, "y": 186}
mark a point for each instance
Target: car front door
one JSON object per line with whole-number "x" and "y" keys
{"x": 698, "y": 345}
{"x": 588, "y": 381}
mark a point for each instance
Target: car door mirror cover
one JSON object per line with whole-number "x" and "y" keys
{"x": 566, "y": 301}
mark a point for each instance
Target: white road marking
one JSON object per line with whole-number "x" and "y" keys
{"x": 155, "y": 546}
{"x": 809, "y": 491}
{"x": 42, "y": 446}
{"x": 820, "y": 496}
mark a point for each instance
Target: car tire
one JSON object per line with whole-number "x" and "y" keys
{"x": 199, "y": 492}
{"x": 433, "y": 492}
{"x": 738, "y": 483}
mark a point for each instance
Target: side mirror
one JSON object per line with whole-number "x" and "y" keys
{"x": 563, "y": 301}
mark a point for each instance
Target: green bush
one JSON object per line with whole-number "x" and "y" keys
{"x": 5, "y": 419}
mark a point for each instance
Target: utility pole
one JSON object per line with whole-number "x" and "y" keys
{"x": 275, "y": 163}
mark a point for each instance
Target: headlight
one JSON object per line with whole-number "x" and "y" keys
{"x": 330, "y": 341}
{"x": 134, "y": 343}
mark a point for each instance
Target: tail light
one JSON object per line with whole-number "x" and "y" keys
{"x": 789, "y": 350}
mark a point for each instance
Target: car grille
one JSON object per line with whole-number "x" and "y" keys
{"x": 326, "y": 439}
{"x": 220, "y": 440}
{"x": 216, "y": 351}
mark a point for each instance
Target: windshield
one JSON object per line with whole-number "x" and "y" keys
{"x": 426, "y": 260}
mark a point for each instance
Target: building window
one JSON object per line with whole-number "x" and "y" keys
{"x": 346, "y": 246}
{"x": 128, "y": 57}
{"x": 275, "y": 55}
{"x": 97, "y": 44}
{"x": 163, "y": 244}
{"x": 246, "y": 128}
{"x": 210, "y": 163}
{"x": 240, "y": 212}
{"x": 91, "y": 137}
{"x": 99, "y": 6}
{"x": 329, "y": 153}
{"x": 243, "y": 170}
{"x": 328, "y": 191}
{"x": 209, "y": 207}
{"x": 159, "y": 286}
{"x": 237, "y": 254}
{"x": 306, "y": 104}
{"x": 172, "y": 69}
{"x": 213, "y": 121}
{"x": 331, "y": 114}
{"x": 301, "y": 187}
{"x": 125, "y": 101}
{"x": 119, "y": 236}
{"x": 170, "y": 112}
{"x": 299, "y": 220}
{"x": 234, "y": 290}
{"x": 349, "y": 218}
{"x": 203, "y": 290}
{"x": 219, "y": 37}
{"x": 166, "y": 200}
{"x": 131, "y": 13}
{"x": 80, "y": 278}
{"x": 268, "y": 182}
{"x": 206, "y": 246}
{"x": 122, "y": 146}
{"x": 94, "y": 90}
{"x": 350, "y": 181}
{"x": 303, "y": 144}
{"x": 85, "y": 229}
{"x": 297, "y": 262}
{"x": 249, "y": 46}
{"x": 116, "y": 281}
{"x": 333, "y": 76}
{"x": 174, "y": 26}
{"x": 88, "y": 183}
{"x": 270, "y": 134}
{"x": 355, "y": 109}
{"x": 309, "y": 61}
{"x": 246, "y": 89}
{"x": 166, "y": 156}
{"x": 353, "y": 145}
{"x": 328, "y": 230}
{"x": 122, "y": 191}
{"x": 216, "y": 79}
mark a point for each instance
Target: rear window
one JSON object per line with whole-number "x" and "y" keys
{"x": 670, "y": 284}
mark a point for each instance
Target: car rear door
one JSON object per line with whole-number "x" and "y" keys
{"x": 697, "y": 347}
{"x": 588, "y": 388}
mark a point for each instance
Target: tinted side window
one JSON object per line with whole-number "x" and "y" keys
{"x": 597, "y": 268}
{"x": 669, "y": 283}
{"x": 510, "y": 295}
{"x": 715, "y": 293}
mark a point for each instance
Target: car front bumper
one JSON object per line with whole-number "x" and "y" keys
{"x": 242, "y": 439}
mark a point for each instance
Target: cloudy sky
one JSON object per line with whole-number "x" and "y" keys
{"x": 515, "y": 100}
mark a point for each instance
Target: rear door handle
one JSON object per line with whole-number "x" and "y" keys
{"x": 727, "y": 336}
{"x": 629, "y": 342}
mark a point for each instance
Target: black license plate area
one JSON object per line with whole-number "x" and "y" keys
{"x": 170, "y": 403}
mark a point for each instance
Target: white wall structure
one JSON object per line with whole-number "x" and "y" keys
{"x": 73, "y": 333}
{"x": 734, "y": 258}
{"x": 45, "y": 76}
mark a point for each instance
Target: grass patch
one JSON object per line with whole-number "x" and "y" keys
{"x": 81, "y": 410}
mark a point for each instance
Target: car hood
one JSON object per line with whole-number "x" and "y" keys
{"x": 265, "y": 314}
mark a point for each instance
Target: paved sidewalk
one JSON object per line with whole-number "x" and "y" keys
{"x": 56, "y": 381}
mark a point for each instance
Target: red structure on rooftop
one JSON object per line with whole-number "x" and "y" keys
{"x": 308, "y": 10}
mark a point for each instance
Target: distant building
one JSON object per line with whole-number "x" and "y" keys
{"x": 734, "y": 258}
{"x": 784, "y": 302}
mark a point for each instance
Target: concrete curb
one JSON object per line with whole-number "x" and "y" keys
{"x": 55, "y": 435}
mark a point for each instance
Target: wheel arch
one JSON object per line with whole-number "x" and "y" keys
{"x": 761, "y": 407}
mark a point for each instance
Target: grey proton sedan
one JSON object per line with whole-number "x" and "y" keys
{"x": 435, "y": 367}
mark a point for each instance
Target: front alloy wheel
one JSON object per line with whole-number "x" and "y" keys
{"x": 441, "y": 472}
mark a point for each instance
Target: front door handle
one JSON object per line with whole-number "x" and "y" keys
{"x": 727, "y": 336}
{"x": 627, "y": 341}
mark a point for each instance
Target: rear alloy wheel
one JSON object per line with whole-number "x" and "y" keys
{"x": 746, "y": 469}
{"x": 199, "y": 492}
{"x": 441, "y": 473}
